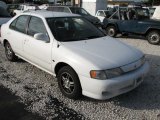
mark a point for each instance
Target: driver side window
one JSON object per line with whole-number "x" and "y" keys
{"x": 36, "y": 25}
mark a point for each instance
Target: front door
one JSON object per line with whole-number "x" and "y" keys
{"x": 37, "y": 51}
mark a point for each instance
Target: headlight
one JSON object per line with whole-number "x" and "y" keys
{"x": 106, "y": 74}
{"x": 113, "y": 73}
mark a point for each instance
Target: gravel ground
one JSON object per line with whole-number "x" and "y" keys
{"x": 39, "y": 92}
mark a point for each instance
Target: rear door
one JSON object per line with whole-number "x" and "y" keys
{"x": 17, "y": 32}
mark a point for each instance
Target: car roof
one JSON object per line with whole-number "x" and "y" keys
{"x": 47, "y": 14}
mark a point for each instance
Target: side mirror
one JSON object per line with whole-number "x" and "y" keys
{"x": 42, "y": 36}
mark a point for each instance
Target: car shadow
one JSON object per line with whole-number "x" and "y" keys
{"x": 131, "y": 36}
{"x": 146, "y": 96}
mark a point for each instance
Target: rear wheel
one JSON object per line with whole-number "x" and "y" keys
{"x": 111, "y": 31}
{"x": 153, "y": 37}
{"x": 69, "y": 83}
{"x": 9, "y": 53}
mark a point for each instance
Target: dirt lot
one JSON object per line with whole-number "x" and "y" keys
{"x": 11, "y": 109}
{"x": 40, "y": 94}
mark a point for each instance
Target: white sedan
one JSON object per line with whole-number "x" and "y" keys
{"x": 68, "y": 46}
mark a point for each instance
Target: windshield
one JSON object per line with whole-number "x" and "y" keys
{"x": 79, "y": 11}
{"x": 73, "y": 29}
{"x": 3, "y": 13}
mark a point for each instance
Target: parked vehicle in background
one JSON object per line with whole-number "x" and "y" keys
{"x": 11, "y": 8}
{"x": 101, "y": 14}
{"x": 25, "y": 7}
{"x": 3, "y": 5}
{"x": 135, "y": 21}
{"x": 68, "y": 46}
{"x": 76, "y": 10}
{"x": 4, "y": 17}
{"x": 156, "y": 14}
{"x": 44, "y": 6}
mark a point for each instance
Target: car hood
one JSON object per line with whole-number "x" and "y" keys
{"x": 4, "y": 20}
{"x": 104, "y": 53}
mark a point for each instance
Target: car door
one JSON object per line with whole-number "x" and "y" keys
{"x": 37, "y": 51}
{"x": 127, "y": 22}
{"x": 129, "y": 26}
{"x": 17, "y": 32}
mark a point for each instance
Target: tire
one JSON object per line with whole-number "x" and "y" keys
{"x": 10, "y": 55}
{"x": 69, "y": 83}
{"x": 111, "y": 31}
{"x": 153, "y": 37}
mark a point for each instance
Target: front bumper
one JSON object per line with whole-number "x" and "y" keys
{"x": 105, "y": 89}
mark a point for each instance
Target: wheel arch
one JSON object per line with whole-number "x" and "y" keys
{"x": 62, "y": 64}
{"x": 151, "y": 29}
{"x": 59, "y": 65}
{"x": 113, "y": 24}
{"x": 4, "y": 42}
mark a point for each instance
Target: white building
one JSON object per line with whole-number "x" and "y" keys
{"x": 93, "y": 5}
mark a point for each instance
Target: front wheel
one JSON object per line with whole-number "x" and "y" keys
{"x": 69, "y": 83}
{"x": 9, "y": 53}
{"x": 111, "y": 31}
{"x": 153, "y": 37}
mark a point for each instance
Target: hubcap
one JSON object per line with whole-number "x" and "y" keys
{"x": 9, "y": 51}
{"x": 154, "y": 38}
{"x": 67, "y": 82}
{"x": 111, "y": 32}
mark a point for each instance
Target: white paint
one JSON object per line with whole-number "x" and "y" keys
{"x": 92, "y": 6}
{"x": 102, "y": 53}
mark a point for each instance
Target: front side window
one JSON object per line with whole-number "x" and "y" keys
{"x": 36, "y": 25}
{"x": 73, "y": 29}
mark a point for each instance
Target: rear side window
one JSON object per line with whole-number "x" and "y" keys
{"x": 13, "y": 25}
{"x": 19, "y": 24}
{"x": 36, "y": 25}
